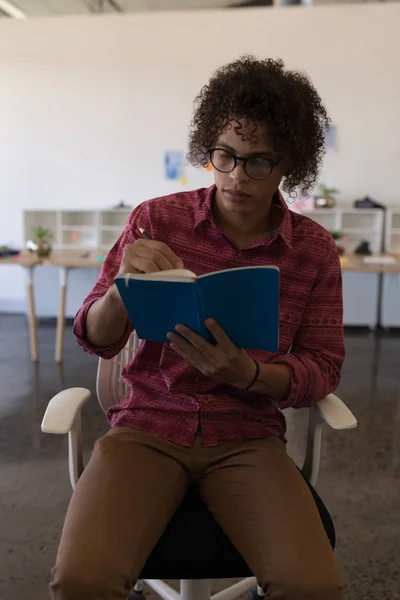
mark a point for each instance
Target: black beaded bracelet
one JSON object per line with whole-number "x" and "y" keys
{"x": 255, "y": 378}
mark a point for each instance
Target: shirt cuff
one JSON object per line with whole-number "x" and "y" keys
{"x": 79, "y": 331}
{"x": 298, "y": 379}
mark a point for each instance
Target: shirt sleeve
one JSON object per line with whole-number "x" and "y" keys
{"x": 318, "y": 350}
{"x": 109, "y": 269}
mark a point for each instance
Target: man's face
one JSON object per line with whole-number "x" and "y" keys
{"x": 237, "y": 191}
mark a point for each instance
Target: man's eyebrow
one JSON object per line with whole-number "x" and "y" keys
{"x": 265, "y": 152}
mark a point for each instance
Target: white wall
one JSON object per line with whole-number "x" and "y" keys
{"x": 88, "y": 105}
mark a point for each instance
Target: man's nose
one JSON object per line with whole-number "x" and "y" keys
{"x": 239, "y": 174}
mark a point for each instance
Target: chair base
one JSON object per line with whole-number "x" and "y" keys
{"x": 195, "y": 589}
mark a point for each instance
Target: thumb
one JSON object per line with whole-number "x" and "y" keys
{"x": 179, "y": 264}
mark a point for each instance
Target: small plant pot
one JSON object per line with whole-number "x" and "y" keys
{"x": 325, "y": 202}
{"x": 43, "y": 249}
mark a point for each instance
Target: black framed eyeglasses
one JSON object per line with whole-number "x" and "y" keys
{"x": 255, "y": 167}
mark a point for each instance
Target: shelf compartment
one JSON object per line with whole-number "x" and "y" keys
{"x": 394, "y": 242}
{"x": 76, "y": 228}
{"x": 114, "y": 218}
{"x": 78, "y": 218}
{"x": 40, "y": 218}
{"x": 109, "y": 237}
{"x": 360, "y": 231}
{"x": 360, "y": 220}
{"x": 351, "y": 241}
{"x": 84, "y": 238}
{"x": 116, "y": 228}
{"x": 395, "y": 220}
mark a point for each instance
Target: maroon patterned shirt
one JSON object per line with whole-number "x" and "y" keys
{"x": 169, "y": 397}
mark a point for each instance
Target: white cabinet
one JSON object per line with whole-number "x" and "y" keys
{"x": 78, "y": 229}
{"x": 392, "y": 231}
{"x": 360, "y": 299}
{"x": 390, "y": 300}
{"x": 355, "y": 224}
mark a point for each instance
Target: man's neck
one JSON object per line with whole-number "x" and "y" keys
{"x": 245, "y": 227}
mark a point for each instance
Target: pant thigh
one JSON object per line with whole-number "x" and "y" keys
{"x": 264, "y": 506}
{"x": 123, "y": 502}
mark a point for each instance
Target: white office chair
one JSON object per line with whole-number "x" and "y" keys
{"x": 175, "y": 557}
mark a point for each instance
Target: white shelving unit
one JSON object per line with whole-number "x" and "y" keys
{"x": 391, "y": 282}
{"x": 79, "y": 229}
{"x": 356, "y": 225}
{"x": 392, "y": 231}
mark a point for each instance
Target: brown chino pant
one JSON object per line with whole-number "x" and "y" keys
{"x": 135, "y": 481}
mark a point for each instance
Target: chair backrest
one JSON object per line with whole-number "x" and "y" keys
{"x": 110, "y": 386}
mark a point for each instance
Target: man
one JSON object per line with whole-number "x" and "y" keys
{"x": 211, "y": 415}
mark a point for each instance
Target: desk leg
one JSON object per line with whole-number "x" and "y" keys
{"x": 59, "y": 354}
{"x": 31, "y": 315}
{"x": 379, "y": 302}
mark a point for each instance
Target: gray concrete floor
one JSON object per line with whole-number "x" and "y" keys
{"x": 359, "y": 481}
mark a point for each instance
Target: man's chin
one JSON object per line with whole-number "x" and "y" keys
{"x": 243, "y": 207}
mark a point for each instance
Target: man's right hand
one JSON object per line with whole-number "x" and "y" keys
{"x": 148, "y": 256}
{"x": 143, "y": 256}
{"x": 107, "y": 318}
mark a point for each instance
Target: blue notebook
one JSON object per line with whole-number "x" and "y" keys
{"x": 244, "y": 302}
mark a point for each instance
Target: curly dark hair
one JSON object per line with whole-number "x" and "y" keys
{"x": 252, "y": 91}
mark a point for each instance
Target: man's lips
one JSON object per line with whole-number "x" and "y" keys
{"x": 236, "y": 194}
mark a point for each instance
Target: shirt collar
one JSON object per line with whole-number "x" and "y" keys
{"x": 204, "y": 213}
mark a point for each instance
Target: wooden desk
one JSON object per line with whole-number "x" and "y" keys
{"x": 67, "y": 260}
{"x": 29, "y": 262}
{"x": 356, "y": 264}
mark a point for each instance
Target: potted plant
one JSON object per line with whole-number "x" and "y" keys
{"x": 337, "y": 236}
{"x": 326, "y": 196}
{"x": 42, "y": 237}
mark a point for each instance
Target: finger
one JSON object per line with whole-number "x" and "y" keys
{"x": 141, "y": 265}
{"x": 187, "y": 356}
{"x": 219, "y": 334}
{"x": 183, "y": 343}
{"x": 126, "y": 267}
{"x": 195, "y": 339}
{"x": 186, "y": 350}
{"x": 188, "y": 347}
{"x": 161, "y": 249}
{"x": 149, "y": 253}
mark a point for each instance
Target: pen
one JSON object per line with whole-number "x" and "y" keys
{"x": 144, "y": 233}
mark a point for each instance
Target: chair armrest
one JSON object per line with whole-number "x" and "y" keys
{"x": 333, "y": 411}
{"x": 63, "y": 415}
{"x": 63, "y": 409}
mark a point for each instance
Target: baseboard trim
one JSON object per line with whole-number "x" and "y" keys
{"x": 13, "y": 305}
{"x": 41, "y": 321}
{"x": 52, "y": 321}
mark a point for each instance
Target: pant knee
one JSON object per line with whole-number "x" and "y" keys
{"x": 305, "y": 590}
{"x": 68, "y": 582}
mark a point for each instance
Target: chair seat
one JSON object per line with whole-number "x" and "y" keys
{"x": 194, "y": 546}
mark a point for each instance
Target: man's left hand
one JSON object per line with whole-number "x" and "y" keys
{"x": 224, "y": 361}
